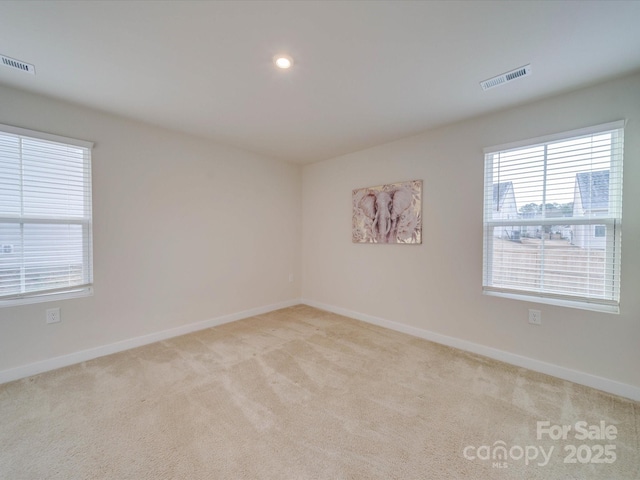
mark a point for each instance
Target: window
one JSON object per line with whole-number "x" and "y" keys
{"x": 45, "y": 217}
{"x": 552, "y": 219}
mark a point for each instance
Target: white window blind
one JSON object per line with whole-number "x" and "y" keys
{"x": 553, "y": 219}
{"x": 45, "y": 217}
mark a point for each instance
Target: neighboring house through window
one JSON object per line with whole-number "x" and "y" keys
{"x": 591, "y": 199}
{"x": 504, "y": 208}
{"x": 553, "y": 219}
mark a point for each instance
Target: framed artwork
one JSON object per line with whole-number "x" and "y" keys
{"x": 388, "y": 213}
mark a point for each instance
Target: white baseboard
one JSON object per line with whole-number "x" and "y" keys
{"x": 91, "y": 353}
{"x": 593, "y": 381}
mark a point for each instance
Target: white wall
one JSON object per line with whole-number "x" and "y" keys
{"x": 437, "y": 286}
{"x": 185, "y": 230}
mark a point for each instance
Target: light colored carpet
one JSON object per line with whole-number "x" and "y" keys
{"x": 305, "y": 394}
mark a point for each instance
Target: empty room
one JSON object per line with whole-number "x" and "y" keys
{"x": 319, "y": 239}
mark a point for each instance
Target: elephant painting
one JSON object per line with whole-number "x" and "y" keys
{"x": 388, "y": 213}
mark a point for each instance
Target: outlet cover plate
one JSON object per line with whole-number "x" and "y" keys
{"x": 53, "y": 315}
{"x": 535, "y": 317}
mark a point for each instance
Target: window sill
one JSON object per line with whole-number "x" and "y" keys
{"x": 48, "y": 297}
{"x": 560, "y": 302}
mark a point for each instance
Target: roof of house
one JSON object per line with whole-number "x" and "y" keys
{"x": 500, "y": 191}
{"x": 594, "y": 189}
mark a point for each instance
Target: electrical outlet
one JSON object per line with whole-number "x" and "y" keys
{"x": 535, "y": 317}
{"x": 53, "y": 315}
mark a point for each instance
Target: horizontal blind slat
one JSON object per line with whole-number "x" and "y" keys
{"x": 45, "y": 214}
{"x": 552, "y": 217}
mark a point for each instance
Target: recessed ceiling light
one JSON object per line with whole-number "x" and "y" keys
{"x": 283, "y": 61}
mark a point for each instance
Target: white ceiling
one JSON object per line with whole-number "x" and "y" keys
{"x": 365, "y": 73}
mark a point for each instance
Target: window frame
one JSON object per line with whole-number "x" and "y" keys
{"x": 612, "y": 224}
{"x": 63, "y": 293}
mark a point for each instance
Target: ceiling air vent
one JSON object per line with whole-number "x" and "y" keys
{"x": 506, "y": 77}
{"x": 18, "y": 65}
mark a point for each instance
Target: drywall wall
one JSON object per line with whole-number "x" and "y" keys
{"x": 437, "y": 286}
{"x": 184, "y": 231}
